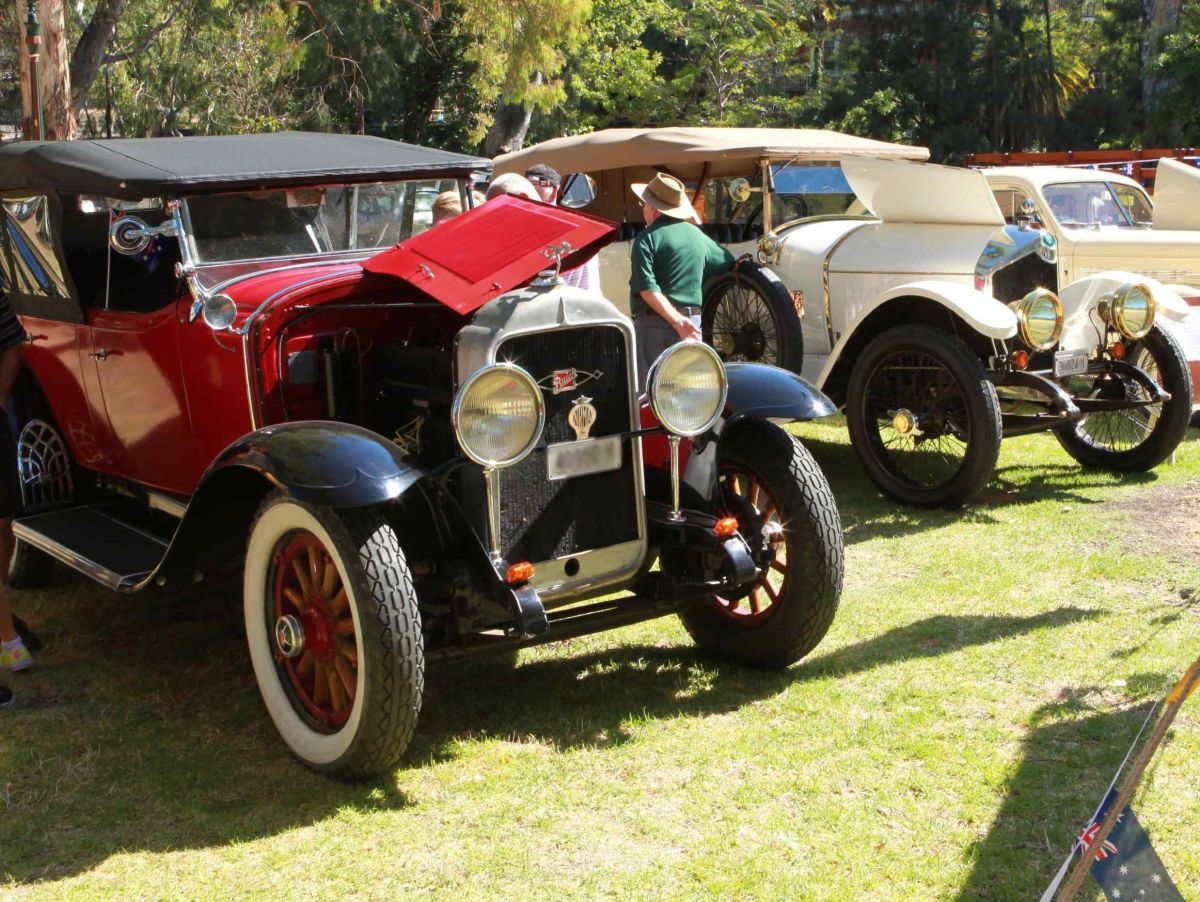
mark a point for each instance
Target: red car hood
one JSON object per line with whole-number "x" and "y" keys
{"x": 475, "y": 257}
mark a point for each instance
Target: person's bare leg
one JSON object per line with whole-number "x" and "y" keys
{"x": 8, "y": 631}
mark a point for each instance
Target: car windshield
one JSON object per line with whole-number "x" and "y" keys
{"x": 309, "y": 222}
{"x": 1084, "y": 205}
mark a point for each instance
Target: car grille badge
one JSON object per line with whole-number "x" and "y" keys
{"x": 567, "y": 380}
{"x": 582, "y": 416}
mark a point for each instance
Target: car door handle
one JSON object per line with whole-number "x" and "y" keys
{"x": 100, "y": 354}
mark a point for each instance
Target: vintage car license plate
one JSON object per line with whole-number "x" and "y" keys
{"x": 1069, "y": 363}
{"x": 589, "y": 455}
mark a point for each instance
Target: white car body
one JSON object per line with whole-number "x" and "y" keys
{"x": 1168, "y": 252}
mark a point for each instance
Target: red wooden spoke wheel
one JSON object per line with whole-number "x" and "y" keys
{"x": 320, "y": 657}
{"x": 777, "y": 492}
{"x": 746, "y": 497}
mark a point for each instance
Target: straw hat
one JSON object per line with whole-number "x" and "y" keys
{"x": 666, "y": 194}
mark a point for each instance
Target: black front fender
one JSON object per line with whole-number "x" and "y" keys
{"x": 758, "y": 390}
{"x": 322, "y": 462}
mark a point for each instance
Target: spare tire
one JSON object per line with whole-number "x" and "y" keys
{"x": 749, "y": 316}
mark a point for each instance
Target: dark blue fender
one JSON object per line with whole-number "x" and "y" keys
{"x": 321, "y": 462}
{"x": 758, "y": 390}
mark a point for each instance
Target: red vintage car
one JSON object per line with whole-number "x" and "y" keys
{"x": 256, "y": 348}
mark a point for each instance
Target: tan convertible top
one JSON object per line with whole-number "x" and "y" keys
{"x": 685, "y": 151}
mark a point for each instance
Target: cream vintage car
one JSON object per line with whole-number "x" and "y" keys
{"x": 890, "y": 266}
{"x": 1103, "y": 220}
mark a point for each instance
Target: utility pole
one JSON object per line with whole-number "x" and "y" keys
{"x": 35, "y": 127}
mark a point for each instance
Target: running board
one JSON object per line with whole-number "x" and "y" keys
{"x": 96, "y": 543}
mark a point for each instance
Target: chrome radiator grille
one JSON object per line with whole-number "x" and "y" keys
{"x": 540, "y": 519}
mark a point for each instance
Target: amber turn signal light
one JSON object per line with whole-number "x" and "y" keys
{"x": 1118, "y": 350}
{"x": 725, "y": 527}
{"x": 1020, "y": 359}
{"x": 519, "y": 573}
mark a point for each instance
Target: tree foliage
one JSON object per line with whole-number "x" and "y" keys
{"x": 957, "y": 77}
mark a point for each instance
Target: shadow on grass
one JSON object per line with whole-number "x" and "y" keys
{"x": 585, "y": 701}
{"x": 1071, "y": 752}
{"x": 866, "y": 513}
{"x": 147, "y": 734}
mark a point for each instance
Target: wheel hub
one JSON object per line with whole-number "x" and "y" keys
{"x": 319, "y": 632}
{"x": 289, "y": 636}
{"x": 905, "y": 422}
{"x": 750, "y": 342}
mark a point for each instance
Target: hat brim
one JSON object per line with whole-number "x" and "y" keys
{"x": 679, "y": 211}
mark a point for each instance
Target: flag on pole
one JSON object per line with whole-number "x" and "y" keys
{"x": 1126, "y": 866}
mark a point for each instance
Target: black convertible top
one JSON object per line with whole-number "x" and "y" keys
{"x": 146, "y": 167}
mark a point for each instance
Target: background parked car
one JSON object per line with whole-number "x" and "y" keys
{"x": 418, "y": 453}
{"x": 881, "y": 258}
{"x": 1103, "y": 220}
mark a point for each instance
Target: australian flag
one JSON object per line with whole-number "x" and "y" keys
{"x": 150, "y": 257}
{"x": 1127, "y": 867}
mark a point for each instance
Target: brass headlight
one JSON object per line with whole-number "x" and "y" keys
{"x": 1130, "y": 310}
{"x": 687, "y": 388}
{"x": 1039, "y": 319}
{"x": 498, "y": 415}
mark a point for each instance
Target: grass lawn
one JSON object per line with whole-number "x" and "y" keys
{"x": 983, "y": 679}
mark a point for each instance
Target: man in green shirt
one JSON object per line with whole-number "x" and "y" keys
{"x": 671, "y": 260}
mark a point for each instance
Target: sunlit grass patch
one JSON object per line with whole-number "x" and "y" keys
{"x": 978, "y": 689}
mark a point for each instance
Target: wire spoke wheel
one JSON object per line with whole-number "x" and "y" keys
{"x": 744, "y": 328}
{"x": 1143, "y": 435}
{"x": 749, "y": 316}
{"x": 1124, "y": 430}
{"x": 920, "y": 419}
{"x": 924, "y": 418}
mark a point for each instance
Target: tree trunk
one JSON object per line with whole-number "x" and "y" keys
{"x": 93, "y": 44}
{"x": 56, "y": 79}
{"x": 509, "y": 127}
{"x": 508, "y": 130}
{"x": 23, "y": 63}
{"x": 1159, "y": 18}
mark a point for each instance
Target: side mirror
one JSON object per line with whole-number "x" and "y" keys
{"x": 740, "y": 190}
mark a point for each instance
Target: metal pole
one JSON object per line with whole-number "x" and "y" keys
{"x": 33, "y": 40}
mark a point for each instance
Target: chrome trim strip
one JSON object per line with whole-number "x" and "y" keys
{"x": 86, "y": 566}
{"x": 825, "y": 283}
{"x": 171, "y": 506}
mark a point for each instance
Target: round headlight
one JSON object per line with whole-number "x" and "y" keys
{"x": 687, "y": 388}
{"x": 1039, "y": 319}
{"x": 1133, "y": 310}
{"x": 498, "y": 415}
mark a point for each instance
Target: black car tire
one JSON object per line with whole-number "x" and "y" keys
{"x": 1134, "y": 440}
{"x": 934, "y": 375}
{"x": 748, "y": 315}
{"x": 378, "y": 605}
{"x": 804, "y": 604}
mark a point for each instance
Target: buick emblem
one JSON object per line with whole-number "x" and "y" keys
{"x": 582, "y": 417}
{"x": 567, "y": 380}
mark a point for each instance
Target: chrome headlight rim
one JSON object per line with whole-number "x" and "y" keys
{"x": 1024, "y": 311}
{"x": 1117, "y": 312}
{"x": 456, "y": 413}
{"x": 653, "y": 391}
